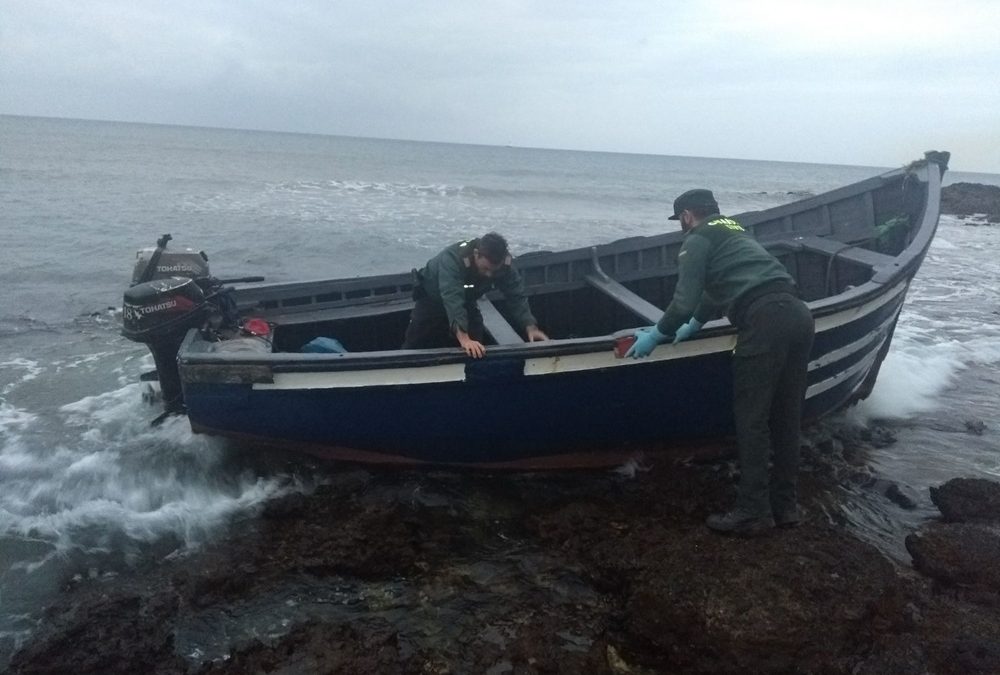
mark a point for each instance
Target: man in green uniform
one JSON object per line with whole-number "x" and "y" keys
{"x": 722, "y": 269}
{"x": 449, "y": 286}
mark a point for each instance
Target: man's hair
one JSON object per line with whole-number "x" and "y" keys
{"x": 701, "y": 212}
{"x": 493, "y": 247}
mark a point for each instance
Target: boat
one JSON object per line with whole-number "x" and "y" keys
{"x": 229, "y": 353}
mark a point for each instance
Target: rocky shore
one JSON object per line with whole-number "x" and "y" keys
{"x": 968, "y": 200}
{"x": 599, "y": 572}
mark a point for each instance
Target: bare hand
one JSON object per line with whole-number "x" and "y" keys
{"x": 473, "y": 348}
{"x": 535, "y": 335}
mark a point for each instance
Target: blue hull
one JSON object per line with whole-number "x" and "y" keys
{"x": 496, "y": 413}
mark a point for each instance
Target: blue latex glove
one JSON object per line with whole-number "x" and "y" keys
{"x": 687, "y": 330}
{"x": 645, "y": 340}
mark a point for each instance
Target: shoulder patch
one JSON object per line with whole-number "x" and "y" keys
{"x": 728, "y": 223}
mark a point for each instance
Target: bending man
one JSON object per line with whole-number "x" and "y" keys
{"x": 448, "y": 287}
{"x": 721, "y": 268}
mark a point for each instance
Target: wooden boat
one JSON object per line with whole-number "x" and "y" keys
{"x": 568, "y": 401}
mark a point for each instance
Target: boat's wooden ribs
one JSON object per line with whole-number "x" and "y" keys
{"x": 624, "y": 297}
{"x": 501, "y": 331}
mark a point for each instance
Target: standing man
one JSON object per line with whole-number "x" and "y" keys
{"x": 721, "y": 268}
{"x": 448, "y": 287}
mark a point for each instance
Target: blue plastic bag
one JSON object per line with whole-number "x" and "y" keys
{"x": 323, "y": 345}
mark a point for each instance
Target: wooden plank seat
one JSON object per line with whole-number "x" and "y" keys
{"x": 841, "y": 251}
{"x": 624, "y": 297}
{"x": 497, "y": 326}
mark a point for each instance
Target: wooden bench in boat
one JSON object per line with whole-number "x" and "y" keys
{"x": 599, "y": 280}
{"x": 836, "y": 251}
{"x": 497, "y": 326}
{"x": 840, "y": 251}
{"x": 625, "y": 297}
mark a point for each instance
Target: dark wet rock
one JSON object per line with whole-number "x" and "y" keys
{"x": 100, "y": 634}
{"x": 732, "y": 605}
{"x": 960, "y": 637}
{"x": 975, "y": 656}
{"x": 957, "y": 616}
{"x": 968, "y": 499}
{"x": 901, "y": 655}
{"x": 344, "y": 538}
{"x": 289, "y": 506}
{"x": 454, "y": 572}
{"x": 316, "y": 647}
{"x": 830, "y": 446}
{"x": 899, "y": 496}
{"x": 976, "y": 427}
{"x": 968, "y": 199}
{"x": 962, "y": 554}
{"x": 877, "y": 436}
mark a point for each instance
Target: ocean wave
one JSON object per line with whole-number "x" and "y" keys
{"x": 29, "y": 371}
{"x": 141, "y": 513}
{"x": 21, "y": 323}
{"x": 12, "y": 418}
{"x": 112, "y": 475}
{"x": 910, "y": 382}
{"x": 312, "y": 188}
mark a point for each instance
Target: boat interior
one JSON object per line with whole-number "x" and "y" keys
{"x": 829, "y": 244}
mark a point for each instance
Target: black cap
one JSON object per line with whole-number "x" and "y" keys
{"x": 694, "y": 199}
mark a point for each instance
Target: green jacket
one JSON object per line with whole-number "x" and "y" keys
{"x": 451, "y": 278}
{"x": 717, "y": 264}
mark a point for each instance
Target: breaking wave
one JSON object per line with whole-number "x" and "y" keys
{"x": 305, "y": 188}
{"x": 112, "y": 474}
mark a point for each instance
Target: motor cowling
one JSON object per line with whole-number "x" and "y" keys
{"x": 154, "y": 310}
{"x": 159, "y": 263}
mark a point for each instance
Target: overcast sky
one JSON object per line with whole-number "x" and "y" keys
{"x": 871, "y": 83}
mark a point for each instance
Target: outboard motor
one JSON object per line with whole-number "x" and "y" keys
{"x": 171, "y": 293}
{"x": 169, "y": 296}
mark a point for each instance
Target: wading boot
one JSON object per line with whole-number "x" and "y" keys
{"x": 788, "y": 517}
{"x": 741, "y": 522}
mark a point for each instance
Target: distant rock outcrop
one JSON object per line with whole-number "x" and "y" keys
{"x": 969, "y": 199}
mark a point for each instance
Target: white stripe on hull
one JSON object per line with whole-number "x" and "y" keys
{"x": 831, "y": 382}
{"x": 452, "y": 372}
{"x": 858, "y": 345}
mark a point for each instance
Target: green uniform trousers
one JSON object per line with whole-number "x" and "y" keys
{"x": 769, "y": 383}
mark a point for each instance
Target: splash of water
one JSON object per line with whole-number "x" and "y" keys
{"x": 112, "y": 473}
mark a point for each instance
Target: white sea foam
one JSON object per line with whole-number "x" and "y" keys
{"x": 116, "y": 475}
{"x": 86, "y": 359}
{"x": 632, "y": 467}
{"x": 12, "y": 418}
{"x": 28, "y": 369}
{"x": 89, "y": 513}
{"x": 106, "y": 408}
{"x": 909, "y": 382}
{"x": 922, "y": 364}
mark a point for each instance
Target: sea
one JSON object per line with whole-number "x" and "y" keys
{"x": 89, "y": 488}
